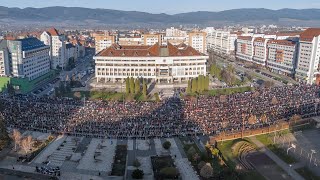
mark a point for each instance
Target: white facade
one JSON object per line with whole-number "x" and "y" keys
{"x": 174, "y": 32}
{"x": 197, "y": 40}
{"x": 143, "y": 63}
{"x": 103, "y": 44}
{"x": 308, "y": 60}
{"x": 282, "y": 57}
{"x": 221, "y": 41}
{"x": 245, "y": 48}
{"x": 260, "y": 51}
{"x": 57, "y": 45}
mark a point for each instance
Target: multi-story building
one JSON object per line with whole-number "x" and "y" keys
{"x": 282, "y": 56}
{"x": 167, "y": 63}
{"x": 4, "y": 59}
{"x": 245, "y": 48}
{"x": 260, "y": 51}
{"x": 174, "y": 32}
{"x": 29, "y": 58}
{"x": 57, "y": 43}
{"x": 151, "y": 39}
{"x": 197, "y": 40}
{"x": 309, "y": 53}
{"x": 130, "y": 41}
{"x": 103, "y": 40}
{"x": 221, "y": 41}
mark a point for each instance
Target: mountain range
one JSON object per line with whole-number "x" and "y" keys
{"x": 86, "y": 16}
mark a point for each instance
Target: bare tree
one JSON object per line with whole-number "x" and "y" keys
{"x": 264, "y": 118}
{"x": 274, "y": 101}
{"x": 25, "y": 145}
{"x": 30, "y": 141}
{"x": 252, "y": 119}
{"x": 206, "y": 171}
{"x": 16, "y": 138}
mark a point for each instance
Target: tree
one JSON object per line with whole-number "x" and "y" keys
{"x": 127, "y": 85}
{"x": 274, "y": 101}
{"x": 144, "y": 88}
{"x": 156, "y": 95}
{"x": 132, "y": 90}
{"x": 201, "y": 164}
{"x": 191, "y": 151}
{"x": 199, "y": 85}
{"x": 16, "y": 138}
{"x": 194, "y": 86}
{"x": 10, "y": 89}
{"x": 215, "y": 71}
{"x": 4, "y": 136}
{"x": 189, "y": 87}
{"x": 137, "y": 174}
{"x": 77, "y": 94}
{"x": 169, "y": 173}
{"x": 137, "y": 86}
{"x": 136, "y": 163}
{"x": 264, "y": 118}
{"x": 230, "y": 69}
{"x": 166, "y": 145}
{"x": 295, "y": 118}
{"x": 252, "y": 119}
{"x": 25, "y": 145}
{"x": 29, "y": 141}
{"x": 206, "y": 171}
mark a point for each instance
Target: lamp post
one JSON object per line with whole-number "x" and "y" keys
{"x": 312, "y": 152}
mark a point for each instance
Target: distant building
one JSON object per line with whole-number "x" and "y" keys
{"x": 282, "y": 56}
{"x": 167, "y": 63}
{"x": 221, "y": 41}
{"x": 29, "y": 58}
{"x": 152, "y": 39}
{"x": 103, "y": 41}
{"x": 309, "y": 53}
{"x": 4, "y": 59}
{"x": 245, "y": 48}
{"x": 174, "y": 32}
{"x": 57, "y": 45}
{"x": 197, "y": 40}
{"x": 260, "y": 51}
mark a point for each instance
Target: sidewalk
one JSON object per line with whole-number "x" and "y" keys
{"x": 277, "y": 160}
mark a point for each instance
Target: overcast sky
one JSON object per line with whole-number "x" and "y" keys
{"x": 166, "y": 6}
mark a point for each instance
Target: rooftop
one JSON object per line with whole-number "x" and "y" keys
{"x": 309, "y": 34}
{"x": 30, "y": 43}
{"x": 282, "y": 42}
{"x": 154, "y": 51}
{"x": 53, "y": 32}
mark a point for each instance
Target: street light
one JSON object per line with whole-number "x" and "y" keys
{"x": 312, "y": 152}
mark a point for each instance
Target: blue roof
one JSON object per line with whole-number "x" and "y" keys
{"x": 31, "y": 43}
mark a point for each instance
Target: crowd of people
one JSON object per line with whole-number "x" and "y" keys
{"x": 171, "y": 117}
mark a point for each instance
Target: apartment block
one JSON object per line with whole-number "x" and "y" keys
{"x": 308, "y": 58}
{"x": 260, "y": 51}
{"x": 103, "y": 40}
{"x": 282, "y": 56}
{"x": 197, "y": 40}
{"x": 221, "y": 41}
{"x": 57, "y": 43}
{"x": 245, "y": 48}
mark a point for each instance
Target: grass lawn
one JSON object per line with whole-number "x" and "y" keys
{"x": 105, "y": 95}
{"x": 228, "y": 91}
{"x": 281, "y": 153}
{"x": 307, "y": 174}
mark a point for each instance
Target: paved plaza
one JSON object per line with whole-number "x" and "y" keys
{"x": 99, "y": 155}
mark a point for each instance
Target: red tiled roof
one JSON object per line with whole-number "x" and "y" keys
{"x": 282, "y": 42}
{"x": 53, "y": 32}
{"x": 248, "y": 38}
{"x": 143, "y": 51}
{"x": 309, "y": 34}
{"x": 259, "y": 39}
